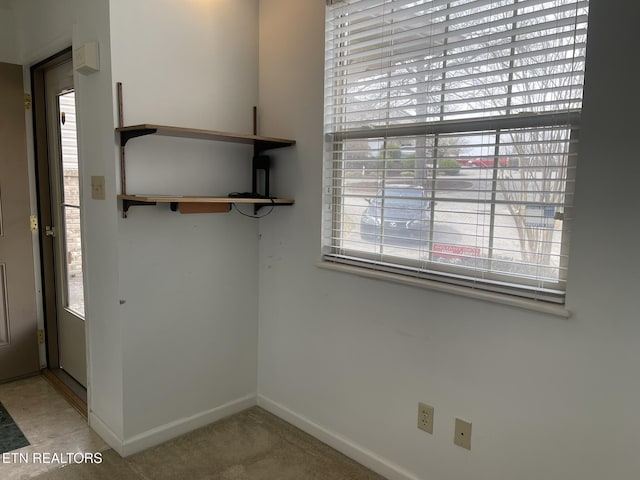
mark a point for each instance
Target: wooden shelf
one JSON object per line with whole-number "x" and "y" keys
{"x": 194, "y": 204}
{"x": 262, "y": 143}
{"x": 199, "y": 204}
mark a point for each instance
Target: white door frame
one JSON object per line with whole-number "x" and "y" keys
{"x": 45, "y": 215}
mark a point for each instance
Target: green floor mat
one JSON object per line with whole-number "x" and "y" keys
{"x": 11, "y": 438}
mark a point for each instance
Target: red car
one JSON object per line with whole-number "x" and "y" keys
{"x": 483, "y": 162}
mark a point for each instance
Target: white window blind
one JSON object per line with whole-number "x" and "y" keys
{"x": 451, "y": 133}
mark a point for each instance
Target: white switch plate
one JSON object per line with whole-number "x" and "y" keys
{"x": 97, "y": 188}
{"x": 462, "y": 435}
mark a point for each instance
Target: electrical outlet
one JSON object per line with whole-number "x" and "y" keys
{"x": 462, "y": 435}
{"x": 425, "y": 417}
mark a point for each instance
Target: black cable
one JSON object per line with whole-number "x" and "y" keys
{"x": 273, "y": 204}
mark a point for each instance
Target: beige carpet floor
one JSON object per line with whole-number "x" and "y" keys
{"x": 251, "y": 445}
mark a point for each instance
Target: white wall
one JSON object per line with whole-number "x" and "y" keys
{"x": 44, "y": 28}
{"x": 171, "y": 299}
{"x": 8, "y": 44}
{"x": 349, "y": 358}
{"x": 189, "y": 282}
{"x": 104, "y": 321}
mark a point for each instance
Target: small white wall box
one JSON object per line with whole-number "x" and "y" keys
{"x": 85, "y": 58}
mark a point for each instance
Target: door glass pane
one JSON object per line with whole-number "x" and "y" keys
{"x": 73, "y": 257}
{"x": 69, "y": 149}
{"x": 71, "y": 205}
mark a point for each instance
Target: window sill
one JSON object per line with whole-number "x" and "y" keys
{"x": 513, "y": 301}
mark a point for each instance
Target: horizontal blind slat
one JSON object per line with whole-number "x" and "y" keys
{"x": 389, "y": 36}
{"x": 489, "y": 55}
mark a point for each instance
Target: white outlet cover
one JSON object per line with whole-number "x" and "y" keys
{"x": 425, "y": 417}
{"x": 462, "y": 434}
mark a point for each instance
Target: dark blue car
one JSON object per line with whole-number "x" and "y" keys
{"x": 396, "y": 215}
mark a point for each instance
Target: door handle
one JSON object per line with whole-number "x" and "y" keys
{"x": 50, "y": 231}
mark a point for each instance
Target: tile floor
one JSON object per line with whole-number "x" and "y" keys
{"x": 49, "y": 423}
{"x": 251, "y": 445}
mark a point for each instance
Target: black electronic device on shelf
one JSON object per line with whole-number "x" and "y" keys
{"x": 261, "y": 163}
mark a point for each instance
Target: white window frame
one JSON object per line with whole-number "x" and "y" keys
{"x": 483, "y": 284}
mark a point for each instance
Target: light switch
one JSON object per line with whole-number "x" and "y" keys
{"x": 97, "y": 188}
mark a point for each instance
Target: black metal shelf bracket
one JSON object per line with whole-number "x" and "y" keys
{"x": 131, "y": 203}
{"x": 258, "y": 206}
{"x": 129, "y": 134}
{"x": 262, "y": 145}
{"x": 260, "y": 162}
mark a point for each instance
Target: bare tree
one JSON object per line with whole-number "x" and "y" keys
{"x": 541, "y": 155}
{"x": 539, "y": 178}
{"x": 535, "y": 76}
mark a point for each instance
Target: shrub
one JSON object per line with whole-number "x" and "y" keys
{"x": 449, "y": 166}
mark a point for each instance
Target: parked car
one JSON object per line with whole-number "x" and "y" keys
{"x": 483, "y": 162}
{"x": 396, "y": 214}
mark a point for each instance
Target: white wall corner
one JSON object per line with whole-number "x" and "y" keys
{"x": 171, "y": 430}
{"x": 105, "y": 432}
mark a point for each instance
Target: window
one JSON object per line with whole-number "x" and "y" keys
{"x": 451, "y": 131}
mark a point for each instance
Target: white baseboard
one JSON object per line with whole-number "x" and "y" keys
{"x": 163, "y": 433}
{"x": 113, "y": 440}
{"x": 351, "y": 449}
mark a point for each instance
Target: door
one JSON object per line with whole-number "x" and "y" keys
{"x": 64, "y": 231}
{"x": 18, "y": 324}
